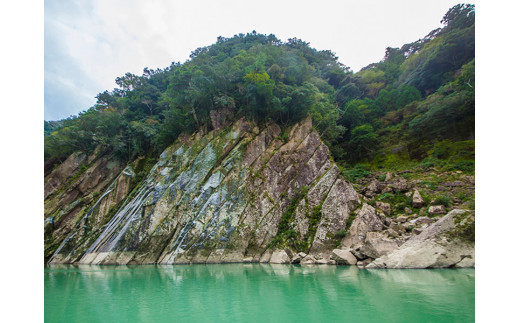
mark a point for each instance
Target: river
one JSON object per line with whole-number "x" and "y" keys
{"x": 257, "y": 293}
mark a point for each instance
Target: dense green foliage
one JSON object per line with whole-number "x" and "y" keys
{"x": 393, "y": 111}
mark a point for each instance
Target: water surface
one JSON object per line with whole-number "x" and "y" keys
{"x": 257, "y": 293}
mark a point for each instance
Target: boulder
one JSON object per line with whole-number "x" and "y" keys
{"x": 387, "y": 189}
{"x": 392, "y": 233}
{"x": 366, "y": 220}
{"x": 378, "y": 244}
{"x": 358, "y": 254}
{"x": 385, "y": 207}
{"x": 296, "y": 259}
{"x": 343, "y": 257}
{"x": 443, "y": 244}
{"x": 400, "y": 185}
{"x": 397, "y": 227}
{"x": 417, "y": 230}
{"x": 265, "y": 257}
{"x": 467, "y": 262}
{"x": 422, "y": 220}
{"x": 374, "y": 186}
{"x": 322, "y": 261}
{"x": 280, "y": 257}
{"x": 401, "y": 219}
{"x": 408, "y": 226}
{"x": 417, "y": 199}
{"x": 437, "y": 209}
{"x": 308, "y": 260}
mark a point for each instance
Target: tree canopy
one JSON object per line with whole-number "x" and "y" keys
{"x": 417, "y": 94}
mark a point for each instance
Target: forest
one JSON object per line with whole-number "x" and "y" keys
{"x": 414, "y": 107}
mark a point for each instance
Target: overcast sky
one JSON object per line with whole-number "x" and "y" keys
{"x": 88, "y": 43}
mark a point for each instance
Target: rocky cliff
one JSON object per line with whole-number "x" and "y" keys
{"x": 233, "y": 194}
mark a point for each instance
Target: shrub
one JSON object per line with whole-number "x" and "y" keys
{"x": 340, "y": 234}
{"x": 359, "y": 171}
{"x": 442, "y": 200}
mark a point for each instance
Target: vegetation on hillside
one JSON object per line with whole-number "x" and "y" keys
{"x": 416, "y": 105}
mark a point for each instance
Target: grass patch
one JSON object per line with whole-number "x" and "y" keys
{"x": 359, "y": 171}
{"x": 442, "y": 200}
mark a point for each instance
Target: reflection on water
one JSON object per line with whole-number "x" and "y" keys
{"x": 256, "y": 293}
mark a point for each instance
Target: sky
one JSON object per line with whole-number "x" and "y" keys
{"x": 88, "y": 43}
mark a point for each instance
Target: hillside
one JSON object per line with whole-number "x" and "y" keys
{"x": 256, "y": 148}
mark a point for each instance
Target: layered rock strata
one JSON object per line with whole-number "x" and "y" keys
{"x": 216, "y": 197}
{"x": 241, "y": 194}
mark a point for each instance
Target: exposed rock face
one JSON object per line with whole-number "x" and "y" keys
{"x": 78, "y": 197}
{"x": 216, "y": 196}
{"x": 443, "y": 244}
{"x": 63, "y": 172}
{"x": 240, "y": 194}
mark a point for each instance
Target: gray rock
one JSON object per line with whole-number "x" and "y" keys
{"x": 308, "y": 260}
{"x": 385, "y": 207}
{"x": 280, "y": 257}
{"x": 366, "y": 220}
{"x": 400, "y": 185}
{"x": 401, "y": 219}
{"x": 392, "y": 233}
{"x": 417, "y": 230}
{"x": 387, "y": 189}
{"x": 296, "y": 259}
{"x": 421, "y": 220}
{"x": 417, "y": 199}
{"x": 322, "y": 261}
{"x": 343, "y": 257}
{"x": 408, "y": 226}
{"x": 374, "y": 186}
{"x": 435, "y": 247}
{"x": 377, "y": 244}
{"x": 397, "y": 227}
{"x": 468, "y": 261}
{"x": 437, "y": 209}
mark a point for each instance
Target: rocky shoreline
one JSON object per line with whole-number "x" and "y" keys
{"x": 241, "y": 194}
{"x": 439, "y": 244}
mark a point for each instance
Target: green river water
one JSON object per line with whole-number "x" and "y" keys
{"x": 257, "y": 293}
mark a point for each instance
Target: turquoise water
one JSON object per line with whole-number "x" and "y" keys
{"x": 257, "y": 293}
